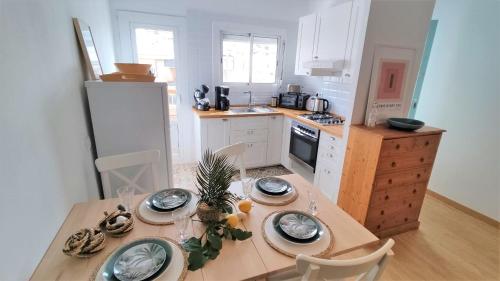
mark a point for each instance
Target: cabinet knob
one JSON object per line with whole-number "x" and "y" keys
{"x": 406, "y": 219}
{"x": 386, "y": 197}
{"x": 409, "y": 205}
{"x": 273, "y": 117}
{"x": 427, "y": 143}
{"x": 224, "y": 120}
{"x": 382, "y": 212}
{"x": 315, "y": 57}
{"x": 390, "y": 181}
{"x": 347, "y": 75}
{"x": 397, "y": 146}
{"x": 332, "y": 138}
{"x": 307, "y": 72}
{"x": 414, "y": 191}
{"x": 393, "y": 164}
{"x": 422, "y": 159}
{"x": 418, "y": 176}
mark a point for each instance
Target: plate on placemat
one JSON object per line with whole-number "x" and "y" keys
{"x": 168, "y": 199}
{"x": 273, "y": 186}
{"x": 298, "y": 227}
{"x": 147, "y": 214}
{"x": 143, "y": 259}
{"x": 174, "y": 266}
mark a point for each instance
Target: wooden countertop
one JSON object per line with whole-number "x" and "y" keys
{"x": 388, "y": 133}
{"x": 238, "y": 260}
{"x": 335, "y": 130}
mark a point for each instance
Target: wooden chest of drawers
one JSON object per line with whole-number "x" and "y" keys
{"x": 385, "y": 176}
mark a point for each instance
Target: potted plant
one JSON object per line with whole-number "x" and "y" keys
{"x": 214, "y": 174}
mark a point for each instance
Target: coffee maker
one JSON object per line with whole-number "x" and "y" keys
{"x": 201, "y": 101}
{"x": 221, "y": 98}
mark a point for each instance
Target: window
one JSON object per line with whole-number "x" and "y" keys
{"x": 249, "y": 58}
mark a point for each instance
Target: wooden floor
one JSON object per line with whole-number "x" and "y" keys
{"x": 449, "y": 245}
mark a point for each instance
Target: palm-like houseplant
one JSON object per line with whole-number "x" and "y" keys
{"x": 213, "y": 176}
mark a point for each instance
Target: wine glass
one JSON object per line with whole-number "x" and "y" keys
{"x": 247, "y": 184}
{"x": 126, "y": 193}
{"x": 312, "y": 206}
{"x": 181, "y": 219}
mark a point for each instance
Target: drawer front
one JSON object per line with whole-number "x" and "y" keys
{"x": 390, "y": 180}
{"x": 404, "y": 161}
{"x": 249, "y": 122}
{"x": 417, "y": 145}
{"x": 384, "y": 217}
{"x": 249, "y": 135}
{"x": 399, "y": 195}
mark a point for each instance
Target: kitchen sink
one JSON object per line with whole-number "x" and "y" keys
{"x": 250, "y": 110}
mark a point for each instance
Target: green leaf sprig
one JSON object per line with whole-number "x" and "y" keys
{"x": 200, "y": 253}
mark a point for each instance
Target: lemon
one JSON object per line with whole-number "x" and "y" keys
{"x": 232, "y": 220}
{"x": 245, "y": 205}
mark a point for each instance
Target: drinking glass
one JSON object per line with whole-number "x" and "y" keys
{"x": 181, "y": 221}
{"x": 126, "y": 193}
{"x": 247, "y": 184}
{"x": 312, "y": 206}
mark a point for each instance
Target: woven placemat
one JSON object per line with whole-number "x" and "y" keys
{"x": 143, "y": 213}
{"x": 94, "y": 275}
{"x": 324, "y": 252}
{"x": 260, "y": 198}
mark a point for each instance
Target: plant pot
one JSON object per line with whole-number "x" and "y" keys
{"x": 206, "y": 213}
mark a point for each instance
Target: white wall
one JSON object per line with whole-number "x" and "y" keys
{"x": 46, "y": 164}
{"x": 461, "y": 93}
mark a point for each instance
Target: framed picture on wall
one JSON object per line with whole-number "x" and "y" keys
{"x": 89, "y": 50}
{"x": 390, "y": 85}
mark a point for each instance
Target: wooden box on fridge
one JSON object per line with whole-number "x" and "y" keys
{"x": 385, "y": 176}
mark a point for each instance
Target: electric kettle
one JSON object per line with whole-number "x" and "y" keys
{"x": 317, "y": 104}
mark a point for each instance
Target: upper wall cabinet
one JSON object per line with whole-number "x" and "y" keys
{"x": 322, "y": 42}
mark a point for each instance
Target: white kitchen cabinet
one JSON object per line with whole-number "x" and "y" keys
{"x": 305, "y": 43}
{"x": 130, "y": 117}
{"x": 262, "y": 134}
{"x": 328, "y": 166}
{"x": 287, "y": 128}
{"x": 274, "y": 140}
{"x": 325, "y": 39}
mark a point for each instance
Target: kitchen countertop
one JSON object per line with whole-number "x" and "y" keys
{"x": 335, "y": 130}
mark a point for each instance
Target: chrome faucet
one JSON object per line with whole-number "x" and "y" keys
{"x": 249, "y": 100}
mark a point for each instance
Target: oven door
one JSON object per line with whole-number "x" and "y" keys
{"x": 303, "y": 148}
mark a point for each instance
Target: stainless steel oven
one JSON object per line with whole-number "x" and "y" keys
{"x": 304, "y": 142}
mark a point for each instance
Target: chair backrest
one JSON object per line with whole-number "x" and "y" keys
{"x": 144, "y": 160}
{"x": 369, "y": 267}
{"x": 235, "y": 152}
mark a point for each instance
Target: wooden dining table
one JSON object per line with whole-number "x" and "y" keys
{"x": 238, "y": 260}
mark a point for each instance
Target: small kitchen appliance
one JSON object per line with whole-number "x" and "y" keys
{"x": 324, "y": 118}
{"x": 316, "y": 104}
{"x": 304, "y": 141}
{"x": 201, "y": 101}
{"x": 293, "y": 100}
{"x": 221, "y": 91}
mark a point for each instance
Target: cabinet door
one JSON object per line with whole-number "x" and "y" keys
{"x": 287, "y": 126}
{"x": 326, "y": 179}
{"x": 332, "y": 32}
{"x": 305, "y": 43}
{"x": 216, "y": 133}
{"x": 274, "y": 140}
{"x": 255, "y": 154}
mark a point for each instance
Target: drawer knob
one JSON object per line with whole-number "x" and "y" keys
{"x": 427, "y": 143}
{"x": 406, "y": 219}
{"x": 332, "y": 138}
{"x": 390, "y": 181}
{"x": 409, "y": 205}
{"x": 422, "y": 159}
{"x": 418, "y": 176}
{"x": 397, "y": 146}
{"x": 386, "y": 197}
{"x": 378, "y": 226}
{"x": 393, "y": 164}
{"x": 382, "y": 212}
{"x": 414, "y": 191}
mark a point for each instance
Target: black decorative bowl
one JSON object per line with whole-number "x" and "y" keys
{"x": 405, "y": 124}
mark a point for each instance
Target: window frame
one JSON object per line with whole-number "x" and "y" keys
{"x": 220, "y": 29}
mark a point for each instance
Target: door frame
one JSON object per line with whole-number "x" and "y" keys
{"x": 127, "y": 21}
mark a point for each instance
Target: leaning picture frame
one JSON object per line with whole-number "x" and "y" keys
{"x": 89, "y": 51}
{"x": 391, "y": 86}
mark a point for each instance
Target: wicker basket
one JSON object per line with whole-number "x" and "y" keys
{"x": 206, "y": 213}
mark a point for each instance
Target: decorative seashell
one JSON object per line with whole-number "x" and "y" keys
{"x": 84, "y": 243}
{"x": 118, "y": 223}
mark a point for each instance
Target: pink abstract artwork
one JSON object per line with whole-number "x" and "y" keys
{"x": 392, "y": 75}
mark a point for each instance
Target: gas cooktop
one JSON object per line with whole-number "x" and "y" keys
{"x": 323, "y": 118}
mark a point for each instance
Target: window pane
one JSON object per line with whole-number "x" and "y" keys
{"x": 264, "y": 57}
{"x": 235, "y": 58}
{"x": 156, "y": 47}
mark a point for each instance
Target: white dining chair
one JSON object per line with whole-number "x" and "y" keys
{"x": 366, "y": 268}
{"x": 143, "y": 160}
{"x": 235, "y": 152}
